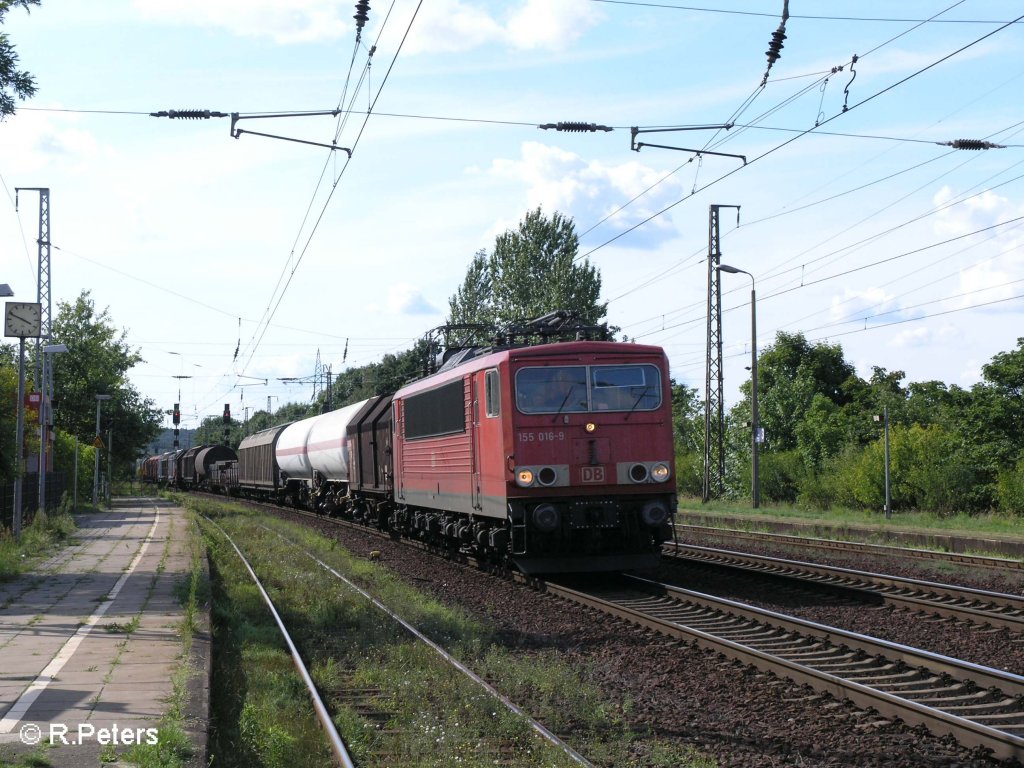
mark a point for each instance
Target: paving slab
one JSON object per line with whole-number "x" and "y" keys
{"x": 89, "y": 640}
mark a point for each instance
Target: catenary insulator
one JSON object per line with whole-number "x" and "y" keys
{"x": 362, "y": 13}
{"x": 972, "y": 144}
{"x": 775, "y": 46}
{"x": 573, "y": 126}
{"x": 188, "y": 114}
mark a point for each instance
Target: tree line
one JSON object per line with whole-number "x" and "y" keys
{"x": 951, "y": 449}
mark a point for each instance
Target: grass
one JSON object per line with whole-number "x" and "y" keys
{"x": 41, "y": 536}
{"x": 394, "y": 701}
{"x": 973, "y": 525}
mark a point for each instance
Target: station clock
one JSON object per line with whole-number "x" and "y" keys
{"x": 23, "y": 319}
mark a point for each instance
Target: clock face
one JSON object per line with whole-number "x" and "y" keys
{"x": 23, "y": 319}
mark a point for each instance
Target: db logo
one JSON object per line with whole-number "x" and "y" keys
{"x": 591, "y": 474}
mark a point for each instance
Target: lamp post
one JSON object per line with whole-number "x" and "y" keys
{"x": 96, "y": 445}
{"x": 46, "y": 415}
{"x": 755, "y": 427}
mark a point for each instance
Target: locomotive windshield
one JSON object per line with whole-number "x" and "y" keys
{"x": 583, "y": 388}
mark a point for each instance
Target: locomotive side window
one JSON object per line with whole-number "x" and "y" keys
{"x": 625, "y": 387}
{"x": 440, "y": 411}
{"x": 552, "y": 389}
{"x": 492, "y": 393}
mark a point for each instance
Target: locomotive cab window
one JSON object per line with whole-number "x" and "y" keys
{"x": 552, "y": 389}
{"x": 492, "y": 393}
{"x": 625, "y": 387}
{"x": 580, "y": 388}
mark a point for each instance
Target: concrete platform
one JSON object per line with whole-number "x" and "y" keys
{"x": 90, "y": 638}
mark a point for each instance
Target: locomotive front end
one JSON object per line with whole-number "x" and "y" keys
{"x": 592, "y": 480}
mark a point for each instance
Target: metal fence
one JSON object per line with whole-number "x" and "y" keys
{"x": 56, "y": 485}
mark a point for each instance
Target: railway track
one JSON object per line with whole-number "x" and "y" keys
{"x": 371, "y": 703}
{"x": 986, "y": 608}
{"x": 981, "y": 707}
{"x": 853, "y": 547}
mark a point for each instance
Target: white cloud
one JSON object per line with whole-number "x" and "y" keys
{"x": 407, "y": 299}
{"x": 550, "y": 24}
{"x": 855, "y": 305}
{"x": 559, "y": 180}
{"x": 453, "y": 26}
{"x": 971, "y": 214}
{"x": 913, "y": 337}
{"x": 284, "y": 21}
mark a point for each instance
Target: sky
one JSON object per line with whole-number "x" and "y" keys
{"x": 233, "y": 263}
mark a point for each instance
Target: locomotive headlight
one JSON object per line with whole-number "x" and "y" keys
{"x": 546, "y": 517}
{"x": 547, "y": 476}
{"x": 524, "y": 477}
{"x": 590, "y": 426}
{"x": 660, "y": 472}
{"x": 654, "y": 513}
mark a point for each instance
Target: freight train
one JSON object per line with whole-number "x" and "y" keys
{"x": 553, "y": 458}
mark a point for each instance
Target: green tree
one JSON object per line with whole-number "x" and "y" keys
{"x": 1003, "y": 388}
{"x": 14, "y": 83}
{"x": 97, "y": 362}
{"x": 532, "y": 271}
{"x": 790, "y": 373}
{"x": 8, "y": 410}
{"x": 472, "y": 302}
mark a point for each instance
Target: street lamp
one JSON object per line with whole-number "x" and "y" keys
{"x": 98, "y": 442}
{"x": 755, "y": 427}
{"x": 46, "y": 415}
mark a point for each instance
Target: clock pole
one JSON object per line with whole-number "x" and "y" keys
{"x": 19, "y": 448}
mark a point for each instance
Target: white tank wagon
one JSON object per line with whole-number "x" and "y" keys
{"x": 313, "y": 457}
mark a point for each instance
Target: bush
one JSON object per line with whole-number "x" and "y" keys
{"x": 781, "y": 475}
{"x": 1011, "y": 490}
{"x": 689, "y": 473}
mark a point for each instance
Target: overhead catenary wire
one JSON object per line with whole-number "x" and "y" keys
{"x": 786, "y": 143}
{"x": 334, "y": 186}
{"x": 811, "y": 17}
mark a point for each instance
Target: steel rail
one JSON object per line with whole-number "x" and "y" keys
{"x": 784, "y": 634}
{"x": 836, "y": 545}
{"x": 508, "y": 703}
{"x": 338, "y": 748}
{"x": 997, "y": 609}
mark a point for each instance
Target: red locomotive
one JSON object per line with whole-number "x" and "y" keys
{"x": 558, "y": 456}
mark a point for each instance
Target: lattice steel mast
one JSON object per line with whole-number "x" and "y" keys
{"x": 714, "y": 401}
{"x": 43, "y": 295}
